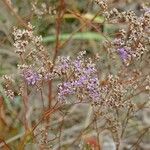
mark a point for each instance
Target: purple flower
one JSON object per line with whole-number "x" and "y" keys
{"x": 30, "y": 76}
{"x": 64, "y": 64}
{"x": 93, "y": 88}
{"x": 77, "y": 65}
{"x": 84, "y": 79}
{"x": 123, "y": 54}
{"x": 65, "y": 89}
{"x": 90, "y": 69}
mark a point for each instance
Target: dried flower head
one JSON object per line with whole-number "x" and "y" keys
{"x": 8, "y": 86}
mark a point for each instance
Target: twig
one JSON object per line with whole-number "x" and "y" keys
{"x": 10, "y": 7}
{"x": 140, "y": 138}
{"x": 12, "y": 139}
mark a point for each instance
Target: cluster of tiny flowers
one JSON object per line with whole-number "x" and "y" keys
{"x": 113, "y": 92}
{"x": 35, "y": 62}
{"x": 82, "y": 81}
{"x": 79, "y": 75}
{"x": 8, "y": 86}
{"x": 43, "y": 9}
{"x": 22, "y": 38}
{"x": 31, "y": 76}
{"x": 123, "y": 54}
{"x": 64, "y": 65}
{"x": 132, "y": 42}
{"x": 102, "y": 4}
{"x": 29, "y": 46}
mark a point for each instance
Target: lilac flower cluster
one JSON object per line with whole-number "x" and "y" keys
{"x": 78, "y": 75}
{"x": 123, "y": 54}
{"x": 63, "y": 63}
{"x": 31, "y": 76}
{"x": 64, "y": 89}
{"x": 84, "y": 78}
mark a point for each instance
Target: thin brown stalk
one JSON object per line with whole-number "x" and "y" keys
{"x": 140, "y": 138}
{"x": 97, "y": 131}
{"x": 26, "y": 107}
{"x": 58, "y": 30}
{"x": 25, "y": 99}
{"x": 77, "y": 30}
{"x": 5, "y": 145}
{"x": 20, "y": 20}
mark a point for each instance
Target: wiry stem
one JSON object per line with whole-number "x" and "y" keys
{"x": 26, "y": 107}
{"x": 10, "y": 7}
{"x": 24, "y": 94}
{"x": 58, "y": 28}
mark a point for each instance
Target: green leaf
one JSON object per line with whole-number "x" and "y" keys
{"x": 77, "y": 36}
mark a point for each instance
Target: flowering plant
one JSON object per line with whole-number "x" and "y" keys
{"x": 79, "y": 100}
